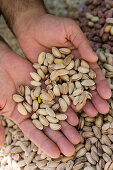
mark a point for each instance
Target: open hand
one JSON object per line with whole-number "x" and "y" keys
{"x": 46, "y": 31}
{"x": 14, "y": 71}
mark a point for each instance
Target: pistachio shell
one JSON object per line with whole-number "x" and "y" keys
{"x": 56, "y": 52}
{"x": 55, "y": 126}
{"x": 22, "y": 109}
{"x": 17, "y": 98}
{"x": 65, "y": 51}
{"x": 41, "y": 57}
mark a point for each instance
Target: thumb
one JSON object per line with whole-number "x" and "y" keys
{"x": 2, "y": 134}
{"x": 80, "y": 42}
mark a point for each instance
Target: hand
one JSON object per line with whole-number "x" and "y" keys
{"x": 14, "y": 71}
{"x": 46, "y": 31}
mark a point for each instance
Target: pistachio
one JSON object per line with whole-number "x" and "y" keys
{"x": 55, "y": 126}
{"x": 22, "y": 109}
{"x": 41, "y": 58}
{"x": 56, "y": 52}
{"x": 65, "y": 51}
{"x": 17, "y": 98}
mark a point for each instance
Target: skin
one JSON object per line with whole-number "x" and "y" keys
{"x": 38, "y": 33}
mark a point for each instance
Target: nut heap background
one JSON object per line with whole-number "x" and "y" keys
{"x": 65, "y": 8}
{"x": 95, "y": 152}
{"x": 96, "y": 20}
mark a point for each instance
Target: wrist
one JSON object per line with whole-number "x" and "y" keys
{"x": 20, "y": 12}
{"x": 25, "y": 19}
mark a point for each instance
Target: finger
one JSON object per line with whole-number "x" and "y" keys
{"x": 72, "y": 118}
{"x": 76, "y": 36}
{"x": 2, "y": 134}
{"x": 62, "y": 142}
{"x": 100, "y": 104}
{"x": 76, "y": 54}
{"x": 35, "y": 135}
{"x": 39, "y": 138}
{"x": 90, "y": 109}
{"x": 70, "y": 132}
{"x": 102, "y": 84}
{"x": 73, "y": 107}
